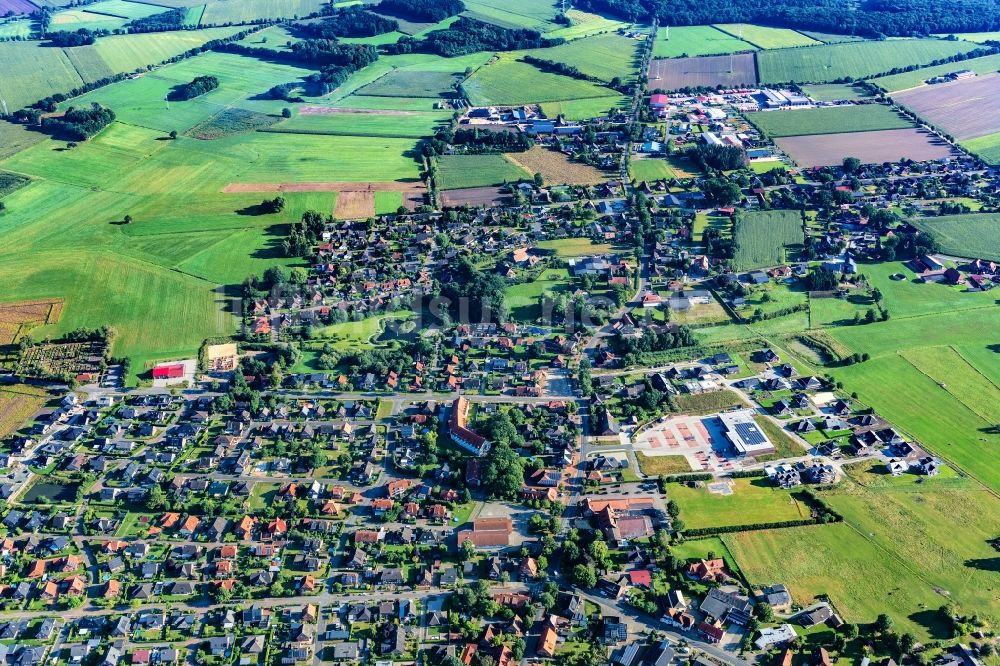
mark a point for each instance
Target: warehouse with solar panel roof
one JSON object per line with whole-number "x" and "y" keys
{"x": 744, "y": 434}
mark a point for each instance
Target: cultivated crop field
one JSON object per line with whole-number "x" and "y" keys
{"x": 467, "y": 171}
{"x": 708, "y": 71}
{"x": 828, "y": 62}
{"x": 508, "y": 81}
{"x": 408, "y": 83}
{"x": 764, "y": 238}
{"x": 696, "y": 40}
{"x": 765, "y": 37}
{"x": 556, "y": 168}
{"x": 957, "y": 107}
{"x": 869, "y": 147}
{"x": 904, "y": 80}
{"x": 16, "y": 7}
{"x": 399, "y": 124}
{"x": 987, "y": 147}
{"x": 836, "y": 561}
{"x": 976, "y": 235}
{"x": 832, "y": 92}
{"x": 601, "y": 56}
{"x": 19, "y": 317}
{"x": 751, "y": 501}
{"x": 828, "y": 120}
{"x": 513, "y": 13}
{"x": 17, "y": 404}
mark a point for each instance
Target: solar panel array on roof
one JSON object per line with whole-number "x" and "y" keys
{"x": 750, "y": 434}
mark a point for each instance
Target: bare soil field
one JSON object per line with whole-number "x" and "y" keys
{"x": 330, "y": 110}
{"x": 965, "y": 109}
{"x": 17, "y": 317}
{"x": 16, "y": 6}
{"x": 725, "y": 70}
{"x": 354, "y": 205}
{"x": 556, "y": 168}
{"x": 474, "y": 196}
{"x": 869, "y": 147}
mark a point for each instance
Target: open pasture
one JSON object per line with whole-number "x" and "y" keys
{"x": 869, "y": 147}
{"x": 751, "y": 501}
{"x": 829, "y": 62}
{"x": 765, "y": 37}
{"x": 709, "y": 71}
{"x": 246, "y": 11}
{"x": 583, "y": 109}
{"x": 392, "y": 124}
{"x": 764, "y": 238}
{"x": 976, "y": 235}
{"x": 957, "y": 107}
{"x": 828, "y": 120}
{"x": 916, "y": 78}
{"x": 523, "y": 299}
{"x": 16, "y": 28}
{"x": 124, "y": 53}
{"x": 456, "y": 172}
{"x": 696, "y": 40}
{"x": 859, "y": 577}
{"x": 556, "y": 168}
{"x": 508, "y": 81}
{"x": 602, "y": 56}
{"x": 409, "y": 83}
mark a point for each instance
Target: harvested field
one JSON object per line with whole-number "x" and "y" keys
{"x": 329, "y": 110}
{"x": 556, "y": 168}
{"x": 16, "y": 6}
{"x": 869, "y": 147}
{"x": 17, "y": 404}
{"x": 709, "y": 71}
{"x": 957, "y": 107}
{"x": 474, "y": 196}
{"x": 354, "y": 205}
{"x": 16, "y": 318}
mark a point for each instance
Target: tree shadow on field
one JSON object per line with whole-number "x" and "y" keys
{"x": 253, "y": 210}
{"x": 935, "y": 623}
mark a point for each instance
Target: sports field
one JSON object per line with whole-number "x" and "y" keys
{"x": 696, "y": 40}
{"x": 764, "y": 238}
{"x": 766, "y": 38}
{"x": 976, "y": 235}
{"x": 828, "y": 120}
{"x": 829, "y": 62}
{"x": 508, "y": 81}
{"x": 462, "y": 171}
{"x": 752, "y": 501}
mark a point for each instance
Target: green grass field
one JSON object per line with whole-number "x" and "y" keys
{"x": 837, "y": 561}
{"x": 897, "y": 82}
{"x": 245, "y": 11}
{"x": 752, "y": 501}
{"x": 765, "y": 37}
{"x": 513, "y": 13}
{"x": 575, "y": 247}
{"x": 763, "y": 238}
{"x": 357, "y": 334}
{"x": 103, "y": 15}
{"x": 409, "y": 124}
{"x": 696, "y": 40}
{"x": 602, "y": 56}
{"x": 819, "y": 64}
{"x": 387, "y": 203}
{"x": 649, "y": 170}
{"x": 986, "y": 147}
{"x": 584, "y": 24}
{"x": 832, "y": 92}
{"x": 461, "y": 171}
{"x": 522, "y": 299}
{"x": 974, "y": 235}
{"x": 508, "y": 81}
{"x": 583, "y": 109}
{"x": 828, "y": 120}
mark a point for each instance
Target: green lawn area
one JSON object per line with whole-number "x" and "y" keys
{"x": 353, "y": 335}
{"x": 828, "y": 120}
{"x": 704, "y": 549}
{"x": 836, "y": 561}
{"x": 567, "y": 248}
{"x": 765, "y": 37}
{"x": 461, "y": 171}
{"x": 696, "y": 40}
{"x": 649, "y": 169}
{"x": 763, "y": 166}
{"x": 752, "y": 501}
{"x": 523, "y": 299}
{"x": 656, "y": 465}
{"x": 708, "y": 403}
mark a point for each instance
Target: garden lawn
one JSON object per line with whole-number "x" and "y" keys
{"x": 828, "y": 120}
{"x": 860, "y": 578}
{"x": 461, "y": 171}
{"x": 523, "y": 299}
{"x": 575, "y": 247}
{"x": 696, "y": 40}
{"x": 704, "y": 549}
{"x": 752, "y": 501}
